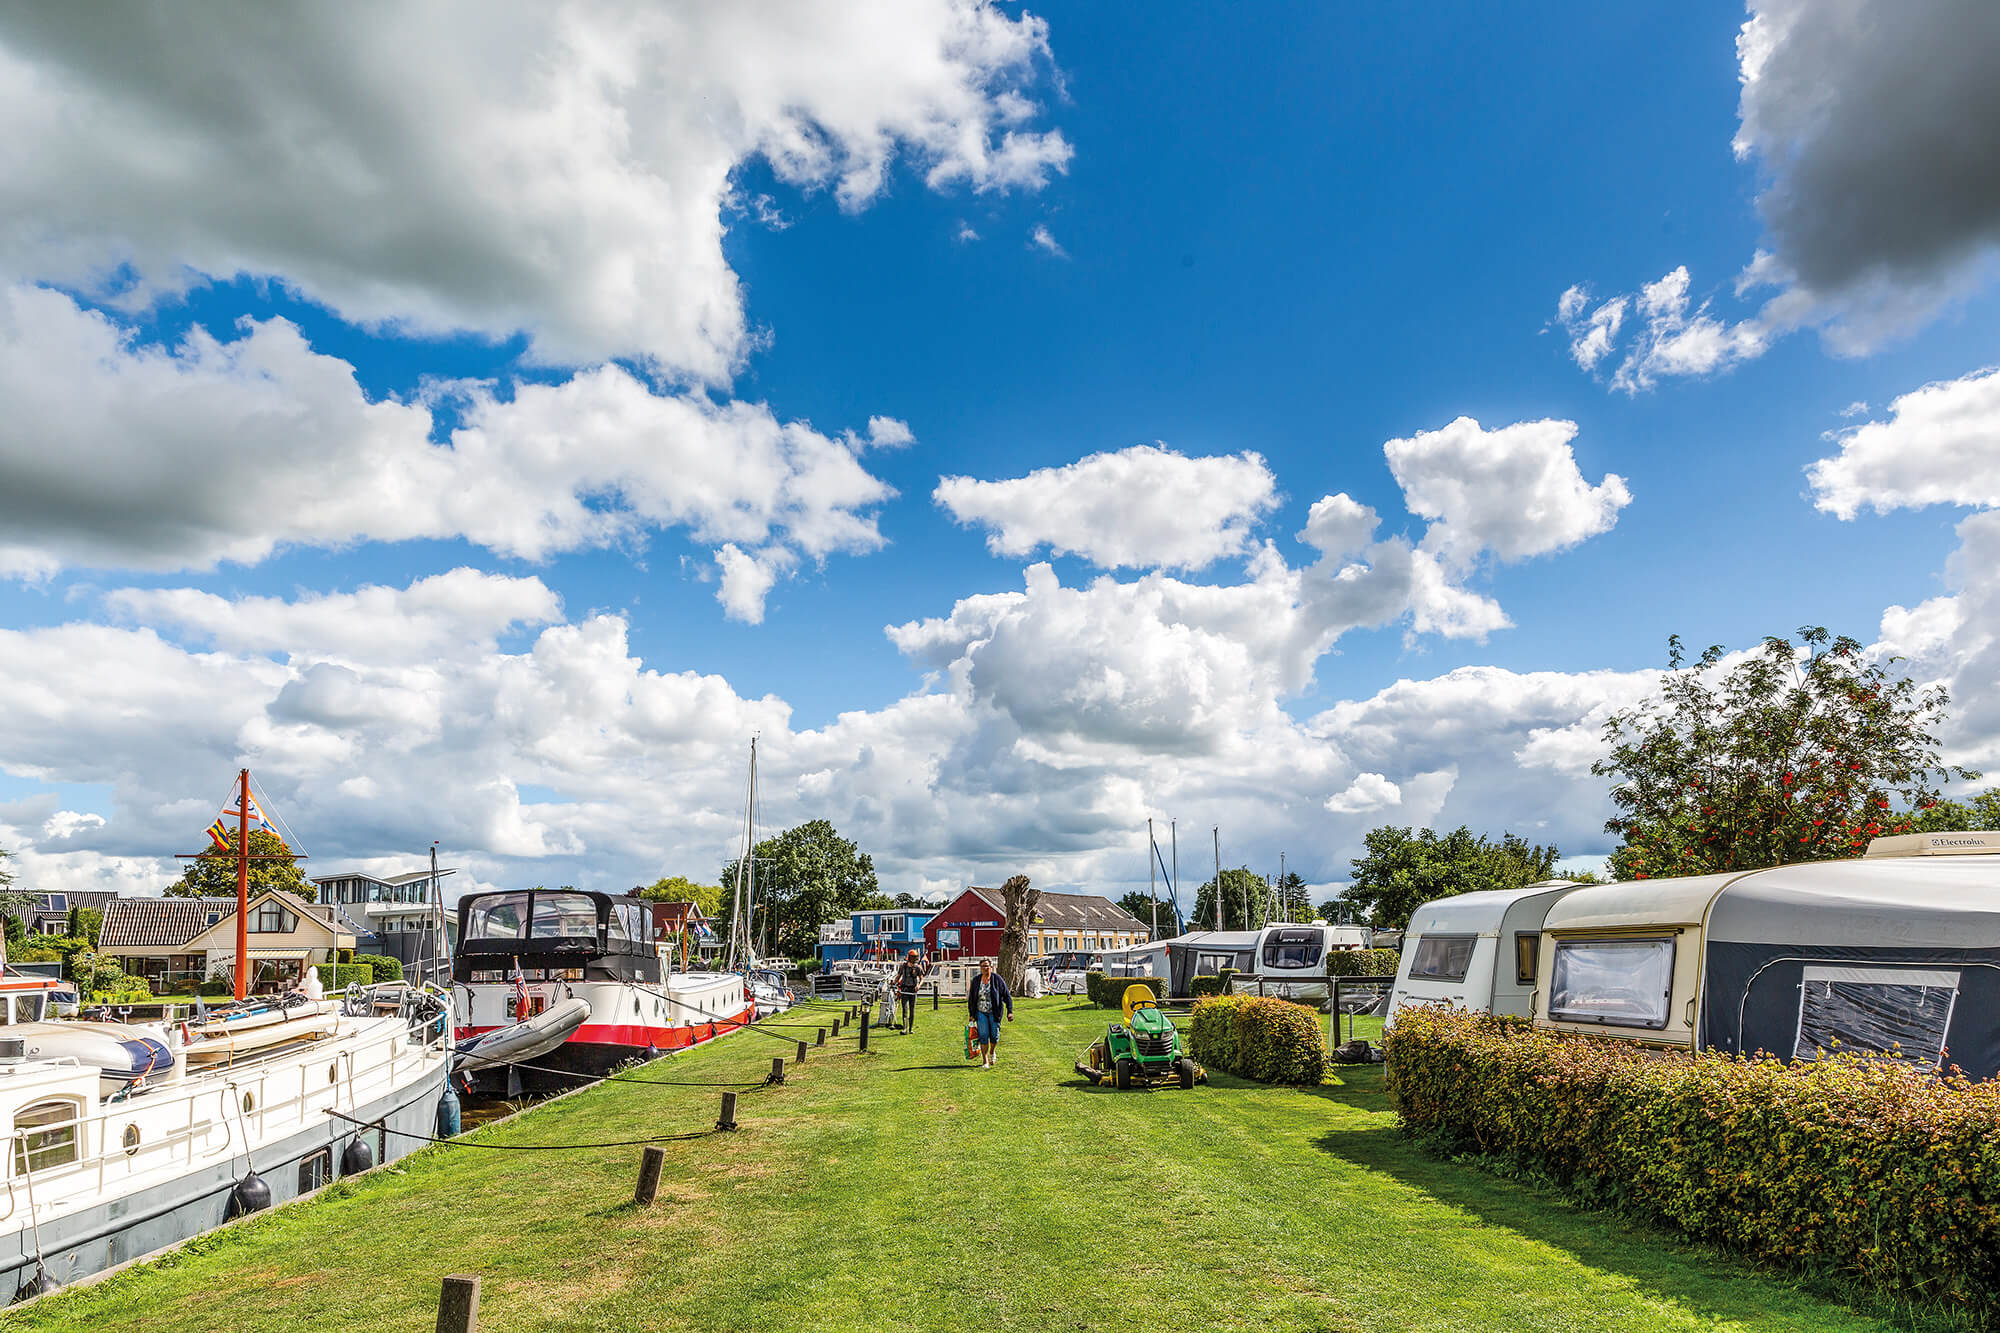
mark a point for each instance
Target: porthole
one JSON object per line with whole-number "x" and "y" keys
{"x": 249, "y": 1103}
{"x": 333, "y": 1072}
{"x": 130, "y": 1139}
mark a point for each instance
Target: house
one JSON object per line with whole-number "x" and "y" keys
{"x": 877, "y": 932}
{"x": 971, "y": 924}
{"x": 397, "y": 916}
{"x": 175, "y": 942}
{"x": 675, "y": 918}
{"x": 49, "y": 914}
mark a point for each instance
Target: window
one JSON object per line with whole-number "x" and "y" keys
{"x": 564, "y": 916}
{"x": 1442, "y": 957}
{"x": 1211, "y": 964}
{"x": 1527, "y": 952}
{"x": 58, "y": 902}
{"x": 1626, "y": 982}
{"x": 45, "y": 1136}
{"x": 214, "y": 917}
{"x": 315, "y": 1169}
{"x": 1886, "y": 1010}
{"x": 503, "y": 916}
{"x": 1294, "y": 949}
{"x": 273, "y": 918}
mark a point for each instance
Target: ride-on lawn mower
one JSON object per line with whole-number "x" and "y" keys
{"x": 1144, "y": 1049}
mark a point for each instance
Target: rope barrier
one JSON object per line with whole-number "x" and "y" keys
{"x": 519, "y": 1147}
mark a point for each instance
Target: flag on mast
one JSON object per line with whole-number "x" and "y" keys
{"x": 218, "y": 832}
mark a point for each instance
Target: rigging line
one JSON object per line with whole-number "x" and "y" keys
{"x": 520, "y": 1147}
{"x": 272, "y": 817}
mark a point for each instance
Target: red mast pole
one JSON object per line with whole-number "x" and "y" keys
{"x": 242, "y": 884}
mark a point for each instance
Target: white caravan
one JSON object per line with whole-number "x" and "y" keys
{"x": 1477, "y": 951}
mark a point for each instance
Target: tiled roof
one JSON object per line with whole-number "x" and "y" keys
{"x": 1073, "y": 911}
{"x": 157, "y": 922}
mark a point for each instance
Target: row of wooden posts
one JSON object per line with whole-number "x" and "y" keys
{"x": 458, "y": 1302}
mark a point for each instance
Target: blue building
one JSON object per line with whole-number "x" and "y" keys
{"x": 875, "y": 933}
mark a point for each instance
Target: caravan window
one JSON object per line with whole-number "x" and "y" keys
{"x": 1293, "y": 948}
{"x": 1442, "y": 957}
{"x": 1878, "y": 1009}
{"x": 1626, "y": 982}
{"x": 1527, "y": 950}
{"x": 1211, "y": 964}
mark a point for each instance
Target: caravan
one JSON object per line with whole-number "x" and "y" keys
{"x": 1898, "y": 950}
{"x": 1476, "y": 951}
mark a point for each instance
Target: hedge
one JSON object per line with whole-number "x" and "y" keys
{"x": 339, "y": 976}
{"x": 1865, "y": 1167}
{"x": 1362, "y": 962}
{"x": 1215, "y": 985}
{"x": 1273, "y": 1041}
{"x": 386, "y": 968}
{"x": 1109, "y": 992}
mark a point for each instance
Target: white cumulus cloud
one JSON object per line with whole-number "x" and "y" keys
{"x": 1939, "y": 445}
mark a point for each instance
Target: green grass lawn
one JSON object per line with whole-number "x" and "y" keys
{"x": 910, "y": 1190}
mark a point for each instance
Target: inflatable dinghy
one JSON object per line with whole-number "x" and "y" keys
{"x": 525, "y": 1040}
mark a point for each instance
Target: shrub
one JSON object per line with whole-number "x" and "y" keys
{"x": 1215, "y": 985}
{"x": 1109, "y": 992}
{"x": 386, "y": 968}
{"x": 1870, "y": 1168}
{"x": 1273, "y": 1041}
{"x": 1362, "y": 962}
{"x": 216, "y": 986}
{"x": 339, "y": 976}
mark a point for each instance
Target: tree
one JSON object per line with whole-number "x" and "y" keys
{"x": 1244, "y": 891}
{"x": 1797, "y": 753}
{"x": 1334, "y": 909}
{"x": 1141, "y": 905}
{"x": 86, "y": 923}
{"x": 1403, "y": 869}
{"x": 213, "y": 873}
{"x": 1980, "y": 814}
{"x": 680, "y": 889}
{"x": 1019, "y": 902}
{"x": 13, "y": 903}
{"x": 1293, "y": 901}
{"x": 805, "y": 875}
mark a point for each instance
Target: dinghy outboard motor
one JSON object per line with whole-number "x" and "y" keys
{"x": 251, "y": 1195}
{"x": 356, "y": 1157}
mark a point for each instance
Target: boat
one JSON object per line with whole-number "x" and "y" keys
{"x": 524, "y": 1041}
{"x": 523, "y": 952}
{"x": 769, "y": 990}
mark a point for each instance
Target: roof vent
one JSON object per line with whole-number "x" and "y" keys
{"x": 1936, "y": 844}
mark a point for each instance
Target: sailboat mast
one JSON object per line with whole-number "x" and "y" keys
{"x": 1152, "y": 880}
{"x": 242, "y": 883}
{"x": 750, "y": 841}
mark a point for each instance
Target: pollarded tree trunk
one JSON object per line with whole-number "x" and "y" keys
{"x": 1019, "y": 901}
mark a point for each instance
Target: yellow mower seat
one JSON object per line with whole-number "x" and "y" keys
{"x": 1138, "y": 997}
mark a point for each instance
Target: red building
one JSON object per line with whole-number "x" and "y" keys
{"x": 970, "y": 926}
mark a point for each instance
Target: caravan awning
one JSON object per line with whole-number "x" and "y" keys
{"x": 282, "y": 953}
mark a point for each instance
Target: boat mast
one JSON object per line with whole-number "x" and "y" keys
{"x": 242, "y": 882}
{"x": 1152, "y": 881}
{"x": 750, "y": 850}
{"x": 1174, "y": 836}
{"x": 444, "y": 936}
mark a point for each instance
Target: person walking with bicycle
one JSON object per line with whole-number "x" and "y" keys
{"x": 908, "y": 977}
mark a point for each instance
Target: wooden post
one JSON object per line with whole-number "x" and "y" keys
{"x": 864, "y": 1029}
{"x": 821, "y": 1039}
{"x": 651, "y": 1162}
{"x": 802, "y": 1054}
{"x": 934, "y": 995}
{"x": 777, "y": 1069}
{"x": 728, "y": 1120}
{"x": 458, "y": 1304}
{"x": 836, "y": 1027}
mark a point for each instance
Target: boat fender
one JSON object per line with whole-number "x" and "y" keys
{"x": 356, "y": 1157}
{"x": 40, "y": 1284}
{"x": 448, "y": 1117}
{"x": 251, "y": 1195}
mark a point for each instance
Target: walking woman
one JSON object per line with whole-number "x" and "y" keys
{"x": 908, "y": 977}
{"x": 984, "y": 1000}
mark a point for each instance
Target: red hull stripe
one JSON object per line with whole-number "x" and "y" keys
{"x": 638, "y": 1036}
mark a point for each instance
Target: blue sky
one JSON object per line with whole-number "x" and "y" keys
{"x": 1299, "y": 234}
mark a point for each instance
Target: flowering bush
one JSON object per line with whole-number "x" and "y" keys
{"x": 1864, "y": 1166}
{"x": 1274, "y": 1041}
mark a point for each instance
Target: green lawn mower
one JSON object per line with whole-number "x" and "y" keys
{"x": 1144, "y": 1050}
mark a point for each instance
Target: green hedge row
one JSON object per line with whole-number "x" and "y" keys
{"x": 1109, "y": 992}
{"x": 1274, "y": 1041}
{"x": 1362, "y": 962}
{"x": 386, "y": 968}
{"x": 339, "y": 976}
{"x": 1869, "y": 1168}
{"x": 1215, "y": 985}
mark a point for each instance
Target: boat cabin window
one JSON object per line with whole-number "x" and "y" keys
{"x": 1628, "y": 983}
{"x": 45, "y": 1136}
{"x": 504, "y": 916}
{"x": 1293, "y": 948}
{"x": 1886, "y": 1010}
{"x": 1527, "y": 952}
{"x": 564, "y": 916}
{"x": 625, "y": 922}
{"x": 1442, "y": 957}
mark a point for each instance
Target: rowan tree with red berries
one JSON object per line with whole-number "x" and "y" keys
{"x": 1800, "y": 752}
